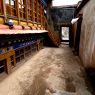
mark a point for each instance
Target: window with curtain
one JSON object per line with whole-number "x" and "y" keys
{"x": 10, "y": 7}
{"x": 22, "y": 6}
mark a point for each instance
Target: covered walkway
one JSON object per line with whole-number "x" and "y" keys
{"x": 52, "y": 71}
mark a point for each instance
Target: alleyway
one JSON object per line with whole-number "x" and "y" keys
{"x": 52, "y": 71}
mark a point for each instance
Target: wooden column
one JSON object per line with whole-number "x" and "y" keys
{"x": 9, "y": 67}
{"x": 14, "y": 60}
{"x": 38, "y": 44}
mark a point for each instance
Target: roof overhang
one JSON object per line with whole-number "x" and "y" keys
{"x": 13, "y": 32}
{"x": 18, "y": 29}
{"x": 83, "y": 3}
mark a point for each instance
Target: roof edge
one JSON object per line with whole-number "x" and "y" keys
{"x": 83, "y": 3}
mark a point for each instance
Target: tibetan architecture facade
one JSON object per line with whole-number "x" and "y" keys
{"x": 22, "y": 30}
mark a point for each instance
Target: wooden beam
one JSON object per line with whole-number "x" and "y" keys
{"x": 4, "y": 10}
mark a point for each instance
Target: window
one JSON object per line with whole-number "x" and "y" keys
{"x": 22, "y": 11}
{"x": 28, "y": 51}
{"x": 10, "y": 7}
{"x": 12, "y": 60}
{"x": 65, "y": 33}
{"x": 19, "y": 55}
{"x": 30, "y": 10}
{"x": 39, "y": 12}
{"x": 1, "y": 8}
{"x": 35, "y": 10}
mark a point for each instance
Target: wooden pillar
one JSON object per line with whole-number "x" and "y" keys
{"x": 14, "y": 60}
{"x": 38, "y": 44}
{"x": 9, "y": 69}
{"x": 24, "y": 54}
{"x": 31, "y": 49}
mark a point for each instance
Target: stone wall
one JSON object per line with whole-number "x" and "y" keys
{"x": 61, "y": 15}
{"x": 87, "y": 39}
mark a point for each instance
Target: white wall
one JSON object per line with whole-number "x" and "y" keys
{"x": 87, "y": 40}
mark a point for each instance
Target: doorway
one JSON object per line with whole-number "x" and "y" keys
{"x": 65, "y": 34}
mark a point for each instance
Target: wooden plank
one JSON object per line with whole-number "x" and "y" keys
{"x": 7, "y": 54}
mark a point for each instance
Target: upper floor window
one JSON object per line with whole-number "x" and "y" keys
{"x": 22, "y": 6}
{"x": 30, "y": 10}
{"x": 1, "y": 7}
{"x": 10, "y": 7}
{"x": 35, "y": 5}
{"x": 39, "y": 12}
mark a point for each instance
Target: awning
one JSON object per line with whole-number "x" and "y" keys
{"x": 8, "y": 31}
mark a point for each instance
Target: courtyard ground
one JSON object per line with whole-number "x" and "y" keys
{"x": 52, "y": 71}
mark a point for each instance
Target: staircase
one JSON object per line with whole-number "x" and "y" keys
{"x": 53, "y": 35}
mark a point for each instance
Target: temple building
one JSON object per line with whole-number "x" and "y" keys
{"x": 22, "y": 30}
{"x": 46, "y": 49}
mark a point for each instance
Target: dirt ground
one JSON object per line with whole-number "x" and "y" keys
{"x": 52, "y": 71}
